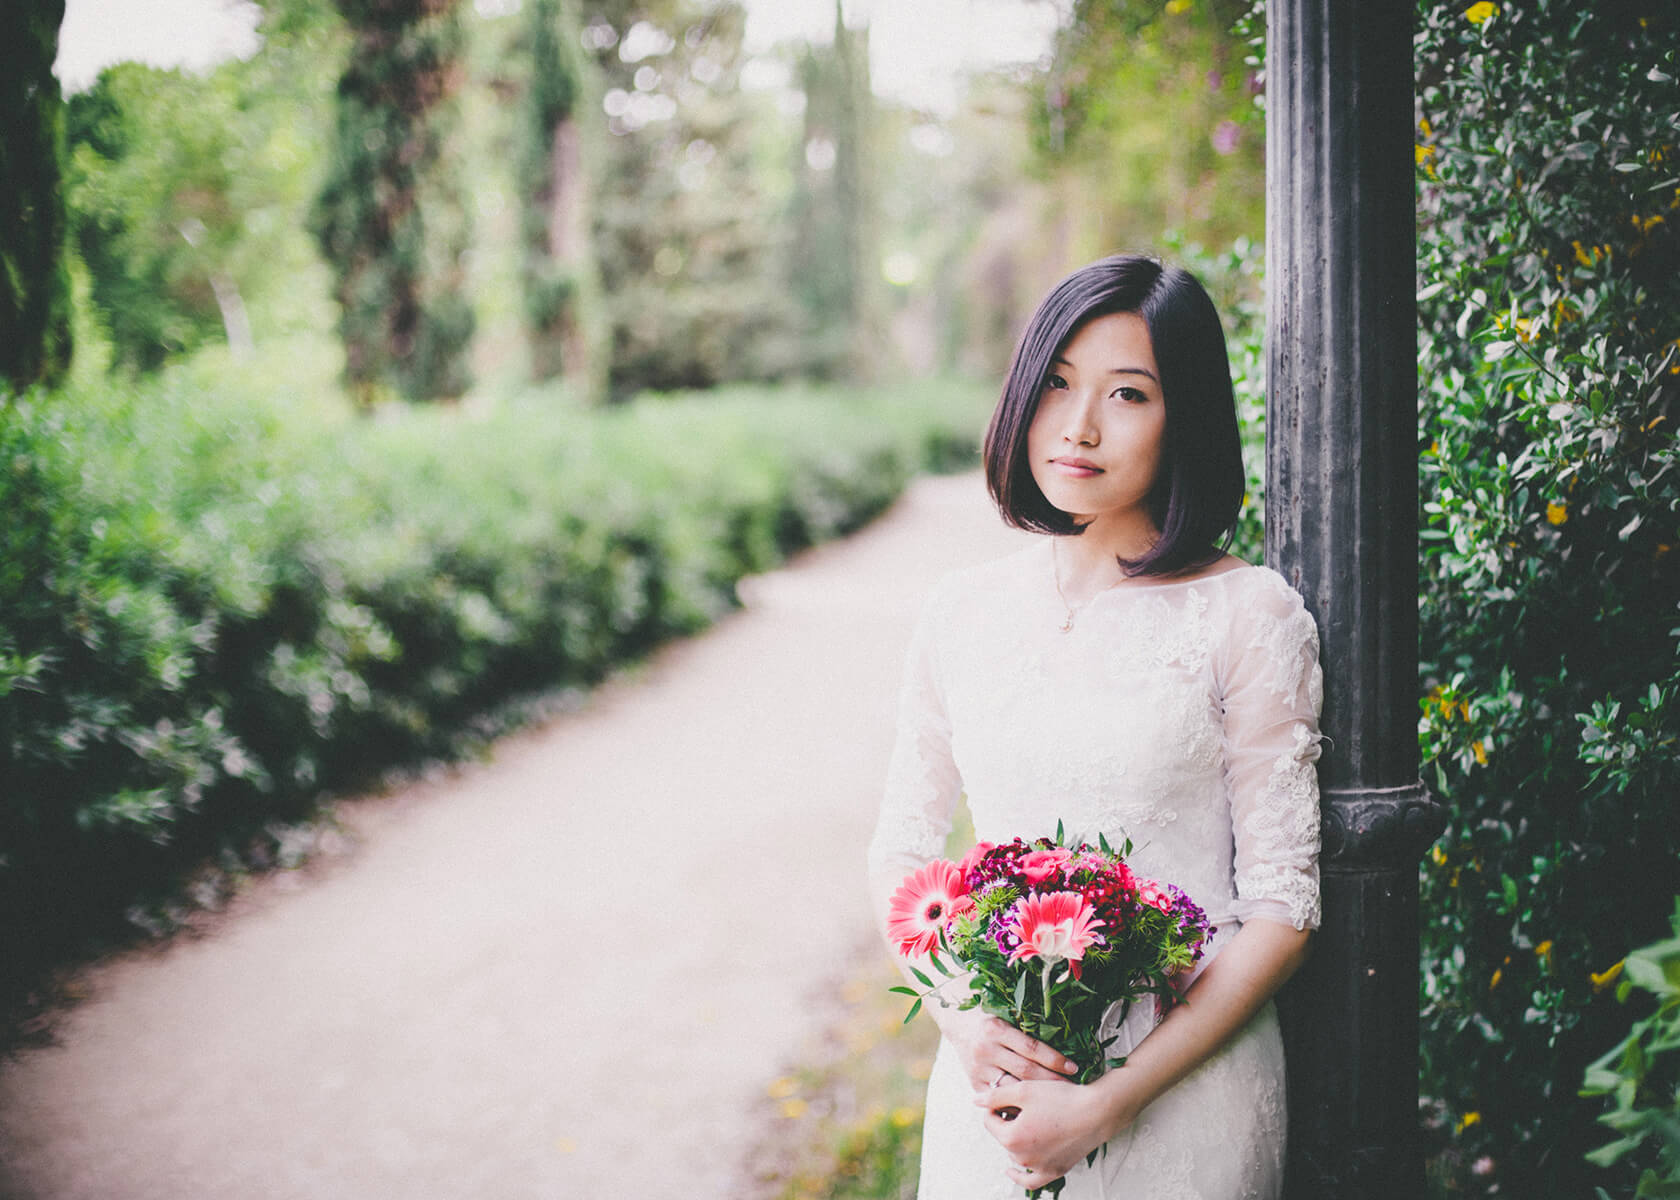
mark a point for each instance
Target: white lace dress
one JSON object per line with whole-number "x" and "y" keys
{"x": 1183, "y": 715}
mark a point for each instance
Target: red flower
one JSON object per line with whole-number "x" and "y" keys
{"x": 922, "y": 905}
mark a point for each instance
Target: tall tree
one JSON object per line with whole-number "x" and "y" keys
{"x": 687, "y": 225}
{"x": 155, "y": 161}
{"x": 558, "y": 273}
{"x": 389, "y": 217}
{"x": 34, "y": 285}
{"x": 188, "y": 192}
{"x": 835, "y": 256}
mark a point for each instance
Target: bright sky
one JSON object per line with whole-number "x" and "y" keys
{"x": 165, "y": 33}
{"x": 917, "y": 48}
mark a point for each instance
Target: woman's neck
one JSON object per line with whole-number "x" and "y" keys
{"x": 1090, "y": 562}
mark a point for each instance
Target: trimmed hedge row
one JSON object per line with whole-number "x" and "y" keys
{"x": 218, "y": 603}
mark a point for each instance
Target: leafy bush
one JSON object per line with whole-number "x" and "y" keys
{"x": 1641, "y": 1074}
{"x": 218, "y": 600}
{"x": 1550, "y": 391}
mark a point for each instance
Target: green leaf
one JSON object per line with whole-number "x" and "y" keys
{"x": 914, "y": 1009}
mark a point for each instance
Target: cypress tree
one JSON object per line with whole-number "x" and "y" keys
{"x": 389, "y": 217}
{"x": 34, "y": 282}
{"x": 557, "y": 266}
{"x": 836, "y": 250}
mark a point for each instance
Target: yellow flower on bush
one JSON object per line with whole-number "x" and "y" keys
{"x": 1480, "y": 750}
{"x": 1603, "y": 979}
{"x": 903, "y": 1118}
{"x": 1480, "y": 11}
{"x": 1469, "y": 1119}
{"x": 1557, "y": 513}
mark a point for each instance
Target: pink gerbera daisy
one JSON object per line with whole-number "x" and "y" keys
{"x": 1057, "y": 926}
{"x": 923, "y": 903}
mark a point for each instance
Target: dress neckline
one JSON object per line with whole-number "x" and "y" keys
{"x": 1136, "y": 586}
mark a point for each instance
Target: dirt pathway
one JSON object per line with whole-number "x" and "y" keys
{"x": 566, "y": 972}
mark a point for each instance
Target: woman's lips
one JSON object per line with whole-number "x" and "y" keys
{"x": 1078, "y": 468}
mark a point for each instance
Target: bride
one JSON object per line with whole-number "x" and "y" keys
{"x": 1127, "y": 677}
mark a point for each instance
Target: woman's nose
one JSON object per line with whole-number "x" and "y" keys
{"x": 1081, "y": 427}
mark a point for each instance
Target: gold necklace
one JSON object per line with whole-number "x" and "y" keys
{"x": 1072, "y": 610}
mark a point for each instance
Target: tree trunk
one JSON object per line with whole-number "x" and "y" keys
{"x": 34, "y": 280}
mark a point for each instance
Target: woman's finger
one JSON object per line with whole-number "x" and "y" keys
{"x": 1003, "y": 1102}
{"x": 1035, "y": 1052}
{"x": 1040, "y": 1054}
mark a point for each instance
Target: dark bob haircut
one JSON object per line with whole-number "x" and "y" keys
{"x": 1198, "y": 492}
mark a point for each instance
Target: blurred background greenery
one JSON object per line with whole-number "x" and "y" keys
{"x": 368, "y": 386}
{"x": 386, "y": 366}
{"x": 625, "y": 194}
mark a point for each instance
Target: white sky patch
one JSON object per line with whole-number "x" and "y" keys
{"x": 195, "y": 34}
{"x": 918, "y": 49}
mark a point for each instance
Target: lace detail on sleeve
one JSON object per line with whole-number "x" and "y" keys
{"x": 1273, "y": 690}
{"x": 922, "y": 781}
{"x": 1281, "y": 834}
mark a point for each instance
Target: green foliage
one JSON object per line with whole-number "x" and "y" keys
{"x": 220, "y": 598}
{"x": 390, "y": 216}
{"x": 1641, "y": 1075}
{"x": 1548, "y": 196}
{"x": 152, "y": 182}
{"x": 833, "y": 256}
{"x": 187, "y": 193}
{"x": 688, "y": 215}
{"x": 34, "y": 282}
{"x": 1146, "y": 120}
{"x": 557, "y": 265}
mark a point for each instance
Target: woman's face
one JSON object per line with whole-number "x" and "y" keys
{"x": 1095, "y": 441}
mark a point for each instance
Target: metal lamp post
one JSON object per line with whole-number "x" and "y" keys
{"x": 1341, "y": 525}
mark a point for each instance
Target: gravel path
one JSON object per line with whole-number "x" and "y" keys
{"x": 568, "y": 971}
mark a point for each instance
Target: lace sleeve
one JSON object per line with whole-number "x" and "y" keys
{"x": 922, "y": 781}
{"x": 1273, "y": 689}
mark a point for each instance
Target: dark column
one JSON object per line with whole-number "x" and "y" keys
{"x": 1341, "y": 525}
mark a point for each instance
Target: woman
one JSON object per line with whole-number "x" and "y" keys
{"x": 1127, "y": 677}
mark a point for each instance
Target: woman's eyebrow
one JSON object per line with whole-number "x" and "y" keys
{"x": 1059, "y": 361}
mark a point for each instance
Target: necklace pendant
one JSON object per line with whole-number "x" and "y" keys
{"x": 1067, "y": 623}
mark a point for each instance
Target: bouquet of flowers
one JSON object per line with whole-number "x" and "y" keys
{"x": 1048, "y": 937}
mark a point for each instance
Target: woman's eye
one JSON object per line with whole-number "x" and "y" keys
{"x": 1054, "y": 382}
{"x": 1131, "y": 395}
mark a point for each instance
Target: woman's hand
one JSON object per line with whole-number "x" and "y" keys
{"x": 993, "y": 1051}
{"x": 1048, "y": 1127}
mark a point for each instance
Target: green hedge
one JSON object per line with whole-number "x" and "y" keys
{"x": 219, "y": 601}
{"x": 1549, "y": 195}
